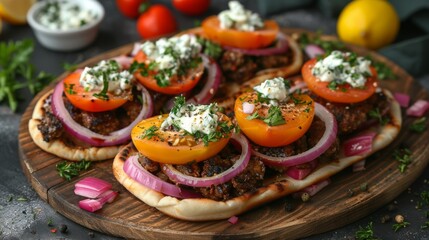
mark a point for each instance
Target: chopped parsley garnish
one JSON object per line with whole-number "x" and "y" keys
{"x": 69, "y": 67}
{"x": 403, "y": 156}
{"x": 103, "y": 94}
{"x": 418, "y": 125}
{"x": 366, "y": 233}
{"x": 179, "y": 101}
{"x": 68, "y": 170}
{"x": 375, "y": 113}
{"x": 150, "y": 132}
{"x": 383, "y": 71}
{"x": 210, "y": 48}
{"x": 327, "y": 45}
{"x": 68, "y": 88}
{"x": 274, "y": 117}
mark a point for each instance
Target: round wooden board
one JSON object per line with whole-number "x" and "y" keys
{"x": 329, "y": 209}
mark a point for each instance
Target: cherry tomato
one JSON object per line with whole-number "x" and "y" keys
{"x": 191, "y": 7}
{"x": 298, "y": 118}
{"x": 161, "y": 148}
{"x": 130, "y": 8}
{"x": 86, "y": 101}
{"x": 240, "y": 39}
{"x": 345, "y": 93}
{"x": 178, "y": 84}
{"x": 156, "y": 21}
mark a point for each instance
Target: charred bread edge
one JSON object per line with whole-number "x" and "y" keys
{"x": 58, "y": 147}
{"x": 203, "y": 209}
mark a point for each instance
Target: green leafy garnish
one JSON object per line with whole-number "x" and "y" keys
{"x": 418, "y": 125}
{"x": 16, "y": 71}
{"x": 366, "y": 233}
{"x": 274, "y": 117}
{"x": 403, "y": 156}
{"x": 375, "y": 113}
{"x": 68, "y": 88}
{"x": 210, "y": 48}
{"x": 69, "y": 67}
{"x": 150, "y": 132}
{"x": 68, "y": 170}
{"x": 327, "y": 45}
{"x": 103, "y": 94}
{"x": 398, "y": 226}
{"x": 383, "y": 71}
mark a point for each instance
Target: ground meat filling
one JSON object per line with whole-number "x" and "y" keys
{"x": 352, "y": 117}
{"x": 307, "y": 141}
{"x": 238, "y": 67}
{"x": 249, "y": 180}
{"x": 99, "y": 122}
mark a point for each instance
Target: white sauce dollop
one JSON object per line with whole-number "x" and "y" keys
{"x": 237, "y": 17}
{"x": 273, "y": 89}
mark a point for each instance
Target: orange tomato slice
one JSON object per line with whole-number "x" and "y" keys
{"x": 163, "y": 148}
{"x": 240, "y": 39}
{"x": 178, "y": 84}
{"x": 344, "y": 93}
{"x": 298, "y": 119}
{"x": 86, "y": 101}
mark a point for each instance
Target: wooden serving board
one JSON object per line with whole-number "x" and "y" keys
{"x": 329, "y": 209}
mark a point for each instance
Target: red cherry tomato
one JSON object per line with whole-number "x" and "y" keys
{"x": 156, "y": 21}
{"x": 192, "y": 7}
{"x": 130, "y": 8}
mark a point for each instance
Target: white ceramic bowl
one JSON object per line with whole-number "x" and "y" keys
{"x": 66, "y": 40}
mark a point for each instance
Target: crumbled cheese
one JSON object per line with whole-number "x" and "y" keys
{"x": 239, "y": 18}
{"x": 170, "y": 54}
{"x": 274, "y": 89}
{"x": 92, "y": 78}
{"x": 65, "y": 15}
{"x": 193, "y": 119}
{"x": 343, "y": 67}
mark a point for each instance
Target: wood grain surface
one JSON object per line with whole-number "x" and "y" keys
{"x": 329, "y": 209}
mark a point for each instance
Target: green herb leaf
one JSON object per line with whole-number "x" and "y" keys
{"x": 68, "y": 170}
{"x": 398, "y": 226}
{"x": 366, "y": 233}
{"x": 274, "y": 117}
{"x": 403, "y": 156}
{"x": 210, "y": 48}
{"x": 327, "y": 45}
{"x": 418, "y": 125}
{"x": 69, "y": 67}
{"x": 150, "y": 132}
{"x": 375, "y": 113}
{"x": 103, "y": 94}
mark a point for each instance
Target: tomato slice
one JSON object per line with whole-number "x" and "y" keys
{"x": 240, "y": 39}
{"x": 85, "y": 100}
{"x": 298, "y": 119}
{"x": 161, "y": 146}
{"x": 178, "y": 84}
{"x": 345, "y": 93}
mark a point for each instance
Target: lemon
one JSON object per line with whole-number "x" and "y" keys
{"x": 15, "y": 11}
{"x": 368, "y": 23}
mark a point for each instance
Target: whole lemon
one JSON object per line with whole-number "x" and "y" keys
{"x": 368, "y": 23}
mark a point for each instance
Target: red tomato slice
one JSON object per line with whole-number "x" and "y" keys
{"x": 178, "y": 84}
{"x": 160, "y": 149}
{"x": 298, "y": 119}
{"x": 86, "y": 101}
{"x": 240, "y": 39}
{"x": 345, "y": 93}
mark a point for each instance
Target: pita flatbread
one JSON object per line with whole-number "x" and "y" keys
{"x": 203, "y": 209}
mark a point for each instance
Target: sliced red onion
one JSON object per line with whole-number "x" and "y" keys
{"x": 313, "y": 189}
{"x": 313, "y": 50}
{"x": 418, "y": 109}
{"x": 233, "y": 220}
{"x": 248, "y": 108}
{"x": 403, "y": 99}
{"x": 124, "y": 61}
{"x": 94, "y": 139}
{"x": 91, "y": 187}
{"x": 299, "y": 172}
{"x": 136, "y": 49}
{"x": 223, "y": 177}
{"x": 359, "y": 166}
{"x": 214, "y": 76}
{"x": 298, "y": 86}
{"x": 359, "y": 145}
{"x": 134, "y": 170}
{"x": 324, "y": 143}
{"x": 92, "y": 205}
{"x": 280, "y": 47}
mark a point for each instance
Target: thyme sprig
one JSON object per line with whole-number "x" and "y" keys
{"x": 68, "y": 170}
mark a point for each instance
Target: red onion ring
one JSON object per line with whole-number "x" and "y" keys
{"x": 324, "y": 143}
{"x": 94, "y": 139}
{"x": 134, "y": 170}
{"x": 281, "y": 46}
{"x": 223, "y": 177}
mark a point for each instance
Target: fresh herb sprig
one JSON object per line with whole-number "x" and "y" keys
{"x": 210, "y": 48}
{"x": 383, "y": 71}
{"x": 418, "y": 125}
{"x": 327, "y": 45}
{"x": 150, "y": 132}
{"x": 400, "y": 225}
{"x": 365, "y": 233}
{"x": 403, "y": 156}
{"x": 274, "y": 117}
{"x": 375, "y": 113}
{"x": 16, "y": 72}
{"x": 68, "y": 170}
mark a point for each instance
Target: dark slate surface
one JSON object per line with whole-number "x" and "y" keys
{"x": 29, "y": 219}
